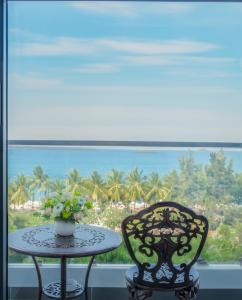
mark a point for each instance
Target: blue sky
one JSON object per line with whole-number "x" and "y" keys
{"x": 125, "y": 71}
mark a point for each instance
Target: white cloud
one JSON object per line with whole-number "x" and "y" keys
{"x": 198, "y": 73}
{"x": 210, "y": 60}
{"x": 168, "y": 59}
{"x": 19, "y": 33}
{"x": 98, "y": 68}
{"x": 126, "y": 9}
{"x": 56, "y": 47}
{"x": 42, "y": 107}
{"x": 126, "y": 123}
{"x": 77, "y": 46}
{"x": 42, "y": 84}
{"x": 174, "y": 7}
{"x": 32, "y": 81}
{"x": 157, "y": 60}
{"x": 111, "y": 8}
{"x": 151, "y": 60}
{"x": 157, "y": 46}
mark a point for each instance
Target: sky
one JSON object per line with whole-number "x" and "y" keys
{"x": 125, "y": 71}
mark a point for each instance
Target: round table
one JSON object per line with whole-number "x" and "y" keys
{"x": 41, "y": 241}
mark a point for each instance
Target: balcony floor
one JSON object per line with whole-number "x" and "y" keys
{"x": 121, "y": 294}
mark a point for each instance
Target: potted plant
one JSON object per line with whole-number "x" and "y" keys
{"x": 66, "y": 209}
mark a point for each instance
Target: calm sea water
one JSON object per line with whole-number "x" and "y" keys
{"x": 57, "y": 161}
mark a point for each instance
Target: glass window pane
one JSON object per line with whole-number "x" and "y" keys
{"x": 125, "y": 71}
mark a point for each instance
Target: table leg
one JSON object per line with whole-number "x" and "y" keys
{"x": 39, "y": 278}
{"x": 63, "y": 278}
{"x": 87, "y": 277}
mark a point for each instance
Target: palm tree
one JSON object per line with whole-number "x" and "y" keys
{"x": 95, "y": 188}
{"x": 11, "y": 191}
{"x": 58, "y": 186}
{"x": 39, "y": 183}
{"x": 19, "y": 191}
{"x": 74, "y": 181}
{"x": 155, "y": 188}
{"x": 115, "y": 185}
{"x": 135, "y": 186}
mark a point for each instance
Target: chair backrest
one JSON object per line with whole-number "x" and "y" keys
{"x": 160, "y": 232}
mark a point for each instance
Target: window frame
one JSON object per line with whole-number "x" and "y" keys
{"x": 4, "y": 141}
{"x": 3, "y": 152}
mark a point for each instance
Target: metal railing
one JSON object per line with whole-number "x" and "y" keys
{"x": 110, "y": 143}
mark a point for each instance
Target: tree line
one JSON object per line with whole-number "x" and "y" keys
{"x": 115, "y": 188}
{"x": 213, "y": 189}
{"x": 213, "y": 183}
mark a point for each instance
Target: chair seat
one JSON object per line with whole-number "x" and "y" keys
{"x": 162, "y": 278}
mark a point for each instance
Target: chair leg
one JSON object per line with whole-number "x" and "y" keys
{"x": 188, "y": 293}
{"x": 136, "y": 293}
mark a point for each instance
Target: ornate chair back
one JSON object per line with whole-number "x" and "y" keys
{"x": 158, "y": 234}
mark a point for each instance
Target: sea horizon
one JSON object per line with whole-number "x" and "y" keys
{"x": 57, "y": 161}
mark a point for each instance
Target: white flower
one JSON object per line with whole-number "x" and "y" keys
{"x": 65, "y": 196}
{"x": 77, "y": 216}
{"x": 57, "y": 210}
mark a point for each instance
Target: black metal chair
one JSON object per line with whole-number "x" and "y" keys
{"x": 164, "y": 241}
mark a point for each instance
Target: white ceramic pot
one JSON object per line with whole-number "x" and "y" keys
{"x": 64, "y": 228}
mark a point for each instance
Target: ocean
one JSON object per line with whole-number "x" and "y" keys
{"x": 58, "y": 161}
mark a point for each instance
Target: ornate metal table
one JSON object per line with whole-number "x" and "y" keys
{"x": 41, "y": 241}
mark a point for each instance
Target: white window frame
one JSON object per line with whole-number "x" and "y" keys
{"x": 212, "y": 276}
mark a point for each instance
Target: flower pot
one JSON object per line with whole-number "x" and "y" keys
{"x": 64, "y": 228}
